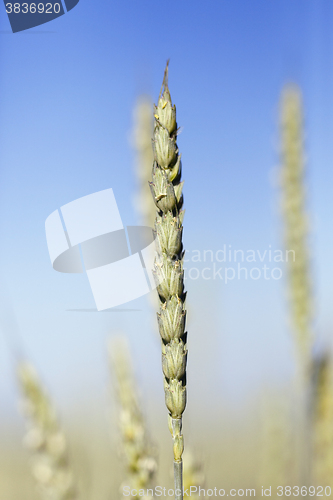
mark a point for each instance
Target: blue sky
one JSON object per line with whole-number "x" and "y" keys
{"x": 67, "y": 94}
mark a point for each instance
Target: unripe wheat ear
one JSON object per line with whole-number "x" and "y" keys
{"x": 136, "y": 448}
{"x": 166, "y": 188}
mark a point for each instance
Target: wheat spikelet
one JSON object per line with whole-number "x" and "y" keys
{"x": 50, "y": 463}
{"x": 166, "y": 189}
{"x": 296, "y": 223}
{"x": 323, "y": 423}
{"x": 136, "y": 448}
{"x": 142, "y": 133}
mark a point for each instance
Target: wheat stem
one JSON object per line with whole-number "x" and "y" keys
{"x": 178, "y": 475}
{"x": 166, "y": 189}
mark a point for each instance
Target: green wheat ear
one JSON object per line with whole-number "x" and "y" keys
{"x": 45, "y": 439}
{"x": 136, "y": 449}
{"x": 166, "y": 189}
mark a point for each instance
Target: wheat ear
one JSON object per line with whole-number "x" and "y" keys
{"x": 166, "y": 189}
{"x": 46, "y": 440}
{"x": 135, "y": 446}
{"x": 296, "y": 235}
{"x": 323, "y": 422}
{"x": 296, "y": 223}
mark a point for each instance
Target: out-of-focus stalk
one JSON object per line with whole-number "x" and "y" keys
{"x": 136, "y": 449}
{"x": 45, "y": 439}
{"x": 193, "y": 474}
{"x": 323, "y": 422}
{"x": 143, "y": 126}
{"x": 296, "y": 225}
{"x": 275, "y": 450}
{"x": 296, "y": 243}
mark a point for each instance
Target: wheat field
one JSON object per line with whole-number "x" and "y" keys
{"x": 255, "y": 447}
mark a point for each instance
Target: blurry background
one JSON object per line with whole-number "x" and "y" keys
{"x": 68, "y": 90}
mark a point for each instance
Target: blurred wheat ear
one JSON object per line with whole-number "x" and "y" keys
{"x": 166, "y": 189}
{"x": 276, "y": 450}
{"x": 193, "y": 474}
{"x": 296, "y": 224}
{"x": 143, "y": 126}
{"x": 141, "y": 140}
{"x": 296, "y": 244}
{"x": 45, "y": 439}
{"x": 323, "y": 422}
{"x": 136, "y": 448}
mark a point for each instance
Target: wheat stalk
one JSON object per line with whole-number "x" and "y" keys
{"x": 275, "y": 450}
{"x": 136, "y": 448}
{"x": 143, "y": 124}
{"x": 166, "y": 189}
{"x": 296, "y": 240}
{"x": 296, "y": 223}
{"x": 46, "y": 440}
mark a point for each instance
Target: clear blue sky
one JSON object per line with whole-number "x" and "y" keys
{"x": 67, "y": 91}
